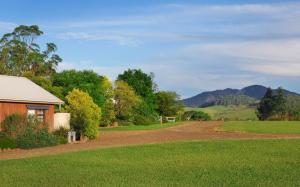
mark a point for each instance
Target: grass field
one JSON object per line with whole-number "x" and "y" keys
{"x": 206, "y": 163}
{"x": 140, "y": 127}
{"x": 229, "y": 112}
{"x": 273, "y": 127}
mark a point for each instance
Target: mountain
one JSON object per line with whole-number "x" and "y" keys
{"x": 255, "y": 91}
{"x": 245, "y": 96}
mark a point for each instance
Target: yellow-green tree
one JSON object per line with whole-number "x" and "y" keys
{"x": 85, "y": 114}
{"x": 125, "y": 100}
{"x": 108, "y": 111}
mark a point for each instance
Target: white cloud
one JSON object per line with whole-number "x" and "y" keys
{"x": 189, "y": 23}
{"x": 118, "y": 38}
{"x": 7, "y": 26}
{"x": 274, "y": 57}
{"x": 215, "y": 46}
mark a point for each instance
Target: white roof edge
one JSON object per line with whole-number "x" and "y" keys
{"x": 23, "y": 90}
{"x": 34, "y": 102}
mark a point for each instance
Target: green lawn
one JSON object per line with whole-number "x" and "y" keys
{"x": 229, "y": 112}
{"x": 140, "y": 127}
{"x": 273, "y": 127}
{"x": 205, "y": 163}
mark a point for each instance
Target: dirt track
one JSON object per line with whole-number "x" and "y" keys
{"x": 187, "y": 131}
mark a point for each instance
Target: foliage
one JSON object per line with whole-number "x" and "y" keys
{"x": 19, "y": 53}
{"x": 108, "y": 112}
{"x": 280, "y": 104}
{"x": 245, "y": 163}
{"x": 195, "y": 115}
{"x": 265, "y": 107}
{"x": 85, "y": 113}
{"x": 273, "y": 106}
{"x": 3, "y": 135}
{"x": 142, "y": 83}
{"x": 27, "y": 132}
{"x": 144, "y": 115}
{"x": 87, "y": 81}
{"x": 229, "y": 112}
{"x": 62, "y": 135}
{"x": 14, "y": 125}
{"x": 34, "y": 137}
{"x": 125, "y": 101}
{"x": 168, "y": 103}
{"x": 265, "y": 127}
{"x": 293, "y": 103}
{"x": 7, "y": 143}
{"x": 239, "y": 99}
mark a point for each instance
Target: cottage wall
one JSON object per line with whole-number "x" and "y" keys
{"x": 7, "y": 109}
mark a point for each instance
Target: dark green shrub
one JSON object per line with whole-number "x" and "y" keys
{"x": 143, "y": 120}
{"x": 33, "y": 138}
{"x": 144, "y": 115}
{"x": 28, "y": 139}
{"x": 62, "y": 135}
{"x": 7, "y": 143}
{"x": 46, "y": 139}
{"x": 196, "y": 115}
{"x": 26, "y": 132}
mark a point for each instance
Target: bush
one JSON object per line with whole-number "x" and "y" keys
{"x": 34, "y": 138}
{"x": 125, "y": 123}
{"x": 7, "y": 143}
{"x": 14, "y": 125}
{"x": 144, "y": 115}
{"x": 62, "y": 135}
{"x": 196, "y": 115}
{"x": 142, "y": 120}
{"x": 85, "y": 113}
{"x": 26, "y": 133}
{"x": 2, "y": 135}
{"x": 201, "y": 116}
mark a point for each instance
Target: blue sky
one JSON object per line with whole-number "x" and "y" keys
{"x": 191, "y": 46}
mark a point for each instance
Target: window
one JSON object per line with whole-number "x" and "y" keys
{"x": 40, "y": 114}
{"x": 31, "y": 113}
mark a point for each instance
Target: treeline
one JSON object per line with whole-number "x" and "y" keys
{"x": 278, "y": 106}
{"x": 240, "y": 99}
{"x": 92, "y": 99}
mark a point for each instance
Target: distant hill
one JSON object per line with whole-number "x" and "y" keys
{"x": 245, "y": 96}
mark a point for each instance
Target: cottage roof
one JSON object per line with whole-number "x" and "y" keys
{"x": 23, "y": 90}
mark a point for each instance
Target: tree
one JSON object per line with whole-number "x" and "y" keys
{"x": 280, "y": 104}
{"x": 142, "y": 83}
{"x": 87, "y": 81}
{"x": 125, "y": 100}
{"x": 168, "y": 103}
{"x": 273, "y": 105}
{"x": 108, "y": 112}
{"x": 266, "y": 106}
{"x": 19, "y": 53}
{"x": 85, "y": 113}
{"x": 144, "y": 115}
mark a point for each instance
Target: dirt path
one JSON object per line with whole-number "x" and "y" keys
{"x": 187, "y": 131}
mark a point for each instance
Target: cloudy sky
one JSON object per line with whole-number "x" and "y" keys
{"x": 191, "y": 46}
